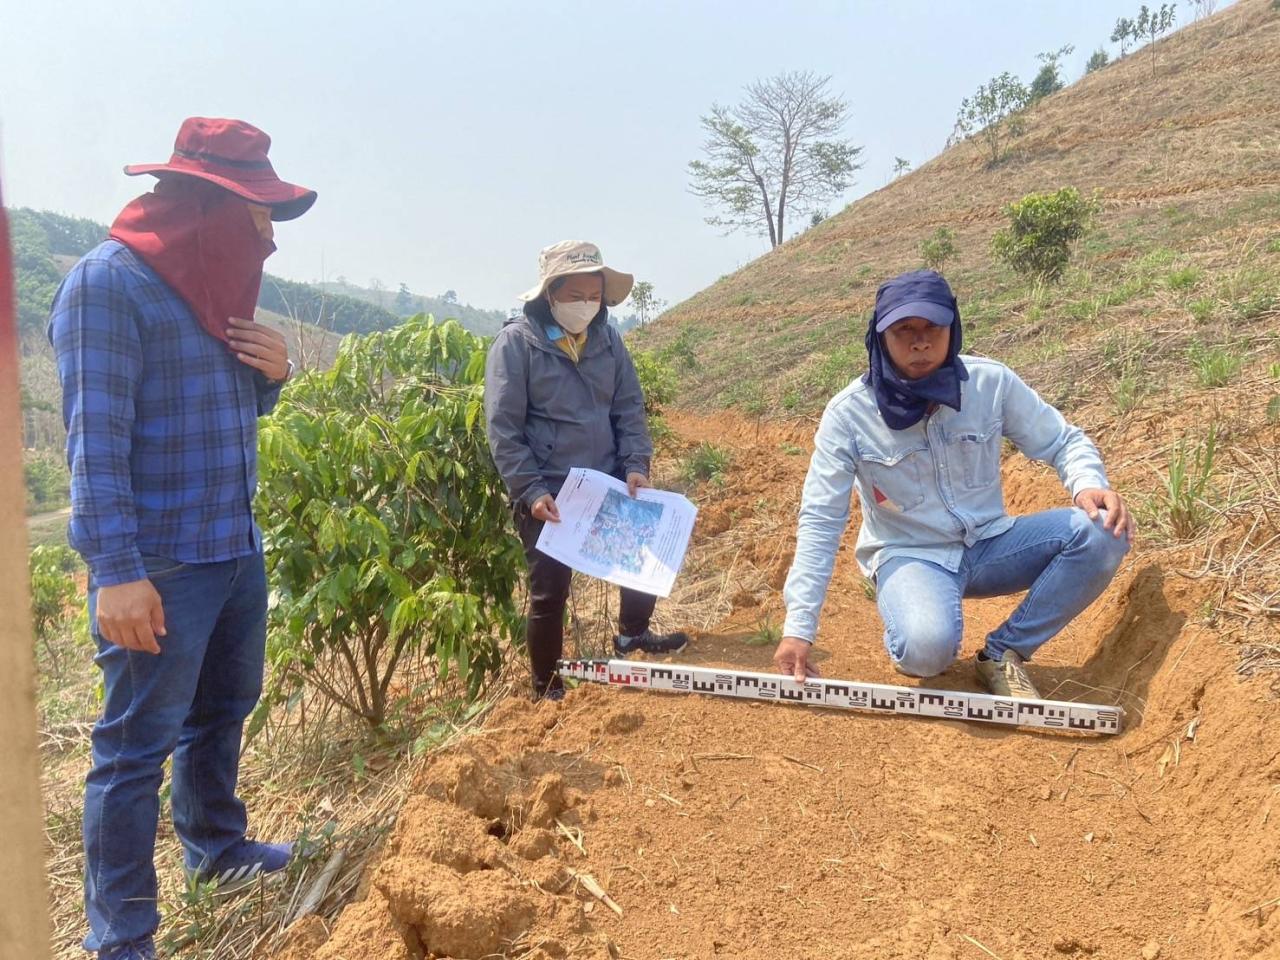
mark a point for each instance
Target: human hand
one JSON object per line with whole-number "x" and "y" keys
{"x": 1118, "y": 520}
{"x": 792, "y": 656}
{"x": 260, "y": 347}
{"x": 635, "y": 481}
{"x": 131, "y": 615}
{"x": 545, "y": 509}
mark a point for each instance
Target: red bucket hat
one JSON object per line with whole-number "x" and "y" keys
{"x": 233, "y": 155}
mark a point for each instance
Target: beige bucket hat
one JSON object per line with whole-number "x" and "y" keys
{"x": 568, "y": 257}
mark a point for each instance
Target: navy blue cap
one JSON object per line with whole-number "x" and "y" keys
{"x": 920, "y": 293}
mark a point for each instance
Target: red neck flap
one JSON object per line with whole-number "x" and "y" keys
{"x": 202, "y": 242}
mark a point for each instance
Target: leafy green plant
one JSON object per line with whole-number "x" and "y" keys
{"x": 1049, "y": 79}
{"x": 707, "y": 462}
{"x": 1214, "y": 366}
{"x": 47, "y": 480}
{"x": 938, "y": 248}
{"x": 1183, "y": 280}
{"x": 680, "y": 350}
{"x": 1255, "y": 307}
{"x": 766, "y": 634}
{"x": 1184, "y": 505}
{"x": 1097, "y": 60}
{"x": 1043, "y": 227}
{"x": 53, "y": 595}
{"x": 1202, "y": 309}
{"x": 658, "y": 383}
{"x": 1273, "y": 410}
{"x": 1273, "y": 245}
{"x": 387, "y": 528}
{"x": 993, "y": 113}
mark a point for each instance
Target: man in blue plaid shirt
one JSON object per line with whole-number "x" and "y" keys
{"x": 164, "y": 375}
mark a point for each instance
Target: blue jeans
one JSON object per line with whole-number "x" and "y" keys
{"x": 1061, "y": 557}
{"x": 190, "y": 701}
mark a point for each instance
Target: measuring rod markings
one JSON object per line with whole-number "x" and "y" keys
{"x": 848, "y": 695}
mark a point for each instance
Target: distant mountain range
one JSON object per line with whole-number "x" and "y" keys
{"x": 45, "y": 245}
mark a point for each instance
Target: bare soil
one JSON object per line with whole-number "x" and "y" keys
{"x": 723, "y": 828}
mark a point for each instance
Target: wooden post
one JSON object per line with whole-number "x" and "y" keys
{"x": 24, "y": 918}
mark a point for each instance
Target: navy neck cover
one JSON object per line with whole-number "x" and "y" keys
{"x": 902, "y": 402}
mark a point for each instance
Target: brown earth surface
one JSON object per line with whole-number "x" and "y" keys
{"x": 722, "y": 828}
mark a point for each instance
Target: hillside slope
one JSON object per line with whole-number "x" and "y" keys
{"x": 1185, "y": 162}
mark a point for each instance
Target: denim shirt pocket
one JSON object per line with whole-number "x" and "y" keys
{"x": 978, "y": 453}
{"x": 896, "y": 473}
{"x": 540, "y": 434}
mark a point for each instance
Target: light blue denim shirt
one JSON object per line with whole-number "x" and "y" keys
{"x": 928, "y": 491}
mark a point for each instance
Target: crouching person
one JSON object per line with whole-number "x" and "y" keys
{"x": 919, "y": 436}
{"x": 561, "y": 392}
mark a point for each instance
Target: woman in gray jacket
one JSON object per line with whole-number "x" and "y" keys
{"x": 561, "y": 392}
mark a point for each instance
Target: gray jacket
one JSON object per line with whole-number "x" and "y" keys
{"x": 545, "y": 414}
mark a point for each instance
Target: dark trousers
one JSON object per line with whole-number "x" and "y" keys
{"x": 548, "y": 594}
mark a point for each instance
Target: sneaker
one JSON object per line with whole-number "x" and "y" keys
{"x": 243, "y": 864}
{"x": 650, "y": 642}
{"x": 1007, "y": 677}
{"x": 144, "y": 949}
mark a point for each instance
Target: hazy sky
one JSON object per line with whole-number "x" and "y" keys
{"x": 450, "y": 142}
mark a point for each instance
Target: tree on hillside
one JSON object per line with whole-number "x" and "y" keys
{"x": 1049, "y": 79}
{"x": 1152, "y": 24}
{"x": 1204, "y": 8}
{"x": 404, "y": 301}
{"x": 379, "y": 291}
{"x": 779, "y": 149}
{"x": 1123, "y": 34}
{"x": 816, "y": 218}
{"x": 450, "y": 296}
{"x": 900, "y": 166}
{"x": 647, "y": 306}
{"x": 1097, "y": 60}
{"x": 993, "y": 111}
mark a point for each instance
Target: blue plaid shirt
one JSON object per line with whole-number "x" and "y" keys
{"x": 162, "y": 422}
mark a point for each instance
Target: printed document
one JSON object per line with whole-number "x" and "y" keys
{"x": 635, "y": 542}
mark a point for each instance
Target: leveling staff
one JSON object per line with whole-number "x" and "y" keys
{"x": 919, "y": 437}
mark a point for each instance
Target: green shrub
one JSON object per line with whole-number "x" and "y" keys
{"x": 1214, "y": 366}
{"x": 48, "y": 482}
{"x": 658, "y": 382}
{"x": 387, "y": 528}
{"x": 1042, "y": 229}
{"x": 680, "y": 350}
{"x": 53, "y": 594}
{"x": 707, "y": 462}
{"x": 1097, "y": 60}
{"x": 1273, "y": 245}
{"x": 937, "y": 249}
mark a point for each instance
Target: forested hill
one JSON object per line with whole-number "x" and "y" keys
{"x": 46, "y": 244}
{"x": 404, "y": 303}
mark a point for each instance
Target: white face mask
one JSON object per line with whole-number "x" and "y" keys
{"x": 575, "y": 317}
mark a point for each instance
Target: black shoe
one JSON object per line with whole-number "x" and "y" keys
{"x": 651, "y": 642}
{"x": 553, "y": 691}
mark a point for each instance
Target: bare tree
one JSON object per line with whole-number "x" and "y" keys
{"x": 779, "y": 149}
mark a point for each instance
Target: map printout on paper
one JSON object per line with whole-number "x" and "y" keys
{"x": 637, "y": 542}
